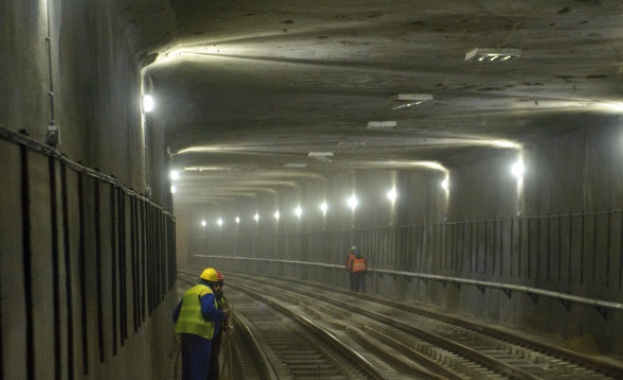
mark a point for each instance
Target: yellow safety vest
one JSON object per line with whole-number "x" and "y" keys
{"x": 190, "y": 320}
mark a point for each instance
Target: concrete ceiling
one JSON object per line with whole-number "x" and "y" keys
{"x": 247, "y": 89}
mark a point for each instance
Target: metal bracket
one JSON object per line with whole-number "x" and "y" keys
{"x": 566, "y": 304}
{"x": 603, "y": 312}
{"x": 535, "y": 297}
{"x": 508, "y": 292}
{"x": 457, "y": 284}
{"x": 481, "y": 288}
{"x": 424, "y": 280}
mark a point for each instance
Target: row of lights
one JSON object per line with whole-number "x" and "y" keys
{"x": 517, "y": 170}
{"x": 352, "y": 202}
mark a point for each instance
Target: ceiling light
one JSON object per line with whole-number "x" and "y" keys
{"x": 219, "y": 222}
{"x": 298, "y": 211}
{"x": 381, "y": 125}
{"x": 148, "y": 103}
{"x": 256, "y": 217}
{"x": 203, "y": 223}
{"x": 174, "y": 175}
{"x": 321, "y": 156}
{"x": 352, "y": 202}
{"x": 392, "y": 195}
{"x": 492, "y": 55}
{"x": 294, "y": 165}
{"x": 404, "y": 101}
{"x": 277, "y": 215}
{"x": 237, "y": 220}
{"x": 351, "y": 144}
{"x": 518, "y": 169}
{"x": 445, "y": 184}
{"x": 324, "y": 207}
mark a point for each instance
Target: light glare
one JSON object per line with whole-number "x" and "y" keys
{"x": 518, "y": 169}
{"x": 203, "y": 223}
{"x": 148, "y": 103}
{"x": 298, "y": 211}
{"x": 277, "y": 215}
{"x": 392, "y": 195}
{"x": 174, "y": 175}
{"x": 353, "y": 202}
{"x": 324, "y": 207}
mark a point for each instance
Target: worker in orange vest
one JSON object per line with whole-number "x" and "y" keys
{"x": 358, "y": 269}
{"x": 349, "y": 266}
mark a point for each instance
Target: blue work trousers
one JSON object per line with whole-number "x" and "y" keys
{"x": 195, "y": 357}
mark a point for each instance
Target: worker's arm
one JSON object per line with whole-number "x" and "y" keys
{"x": 209, "y": 310}
{"x": 176, "y": 312}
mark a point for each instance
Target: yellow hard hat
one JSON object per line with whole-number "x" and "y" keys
{"x": 209, "y": 274}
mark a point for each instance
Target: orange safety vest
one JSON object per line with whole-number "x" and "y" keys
{"x": 359, "y": 265}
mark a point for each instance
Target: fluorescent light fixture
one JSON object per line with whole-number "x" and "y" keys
{"x": 352, "y": 202}
{"x": 324, "y": 207}
{"x": 351, "y": 144}
{"x": 219, "y": 222}
{"x": 445, "y": 184}
{"x": 295, "y": 165}
{"x": 237, "y": 220}
{"x": 298, "y": 211}
{"x": 404, "y": 101}
{"x": 256, "y": 217}
{"x": 383, "y": 125}
{"x": 174, "y": 175}
{"x": 148, "y": 103}
{"x": 320, "y": 154}
{"x": 518, "y": 169}
{"x": 277, "y": 215}
{"x": 392, "y": 195}
{"x": 203, "y": 223}
{"x": 492, "y": 55}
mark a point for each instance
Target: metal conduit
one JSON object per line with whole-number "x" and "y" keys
{"x": 564, "y": 297}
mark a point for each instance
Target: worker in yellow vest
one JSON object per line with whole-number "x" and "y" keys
{"x": 195, "y": 318}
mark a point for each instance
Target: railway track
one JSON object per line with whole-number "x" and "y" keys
{"x": 273, "y": 341}
{"x": 397, "y": 341}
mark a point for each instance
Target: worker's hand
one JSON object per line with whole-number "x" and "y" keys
{"x": 227, "y": 313}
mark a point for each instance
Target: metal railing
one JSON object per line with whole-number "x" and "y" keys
{"x": 566, "y": 299}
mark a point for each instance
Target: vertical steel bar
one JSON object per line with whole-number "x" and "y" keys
{"x": 82, "y": 272}
{"x": 512, "y": 247}
{"x": 55, "y": 253}
{"x": 538, "y": 248}
{"x": 113, "y": 268}
{"x": 570, "y": 252}
{"x": 99, "y": 291}
{"x": 608, "y": 247}
{"x": 529, "y": 248}
{"x": 559, "y": 248}
{"x": 594, "y": 255}
{"x": 583, "y": 233}
{"x": 68, "y": 276}
{"x": 520, "y": 249}
{"x": 121, "y": 241}
{"x": 549, "y": 248}
{"x": 485, "y": 246}
{"x": 27, "y": 264}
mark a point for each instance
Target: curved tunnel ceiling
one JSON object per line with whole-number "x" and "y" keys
{"x": 254, "y": 86}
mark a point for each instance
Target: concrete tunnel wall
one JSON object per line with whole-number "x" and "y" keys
{"x": 96, "y": 84}
{"x": 566, "y": 224}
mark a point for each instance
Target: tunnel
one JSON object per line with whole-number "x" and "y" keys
{"x": 471, "y": 151}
